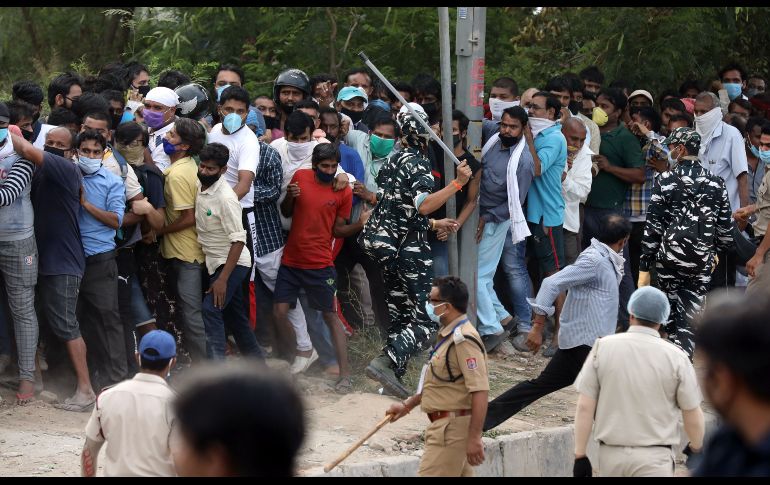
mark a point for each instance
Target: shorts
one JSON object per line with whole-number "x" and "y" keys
{"x": 548, "y": 247}
{"x": 319, "y": 284}
{"x": 59, "y": 297}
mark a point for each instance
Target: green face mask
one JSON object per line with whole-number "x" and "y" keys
{"x": 380, "y": 146}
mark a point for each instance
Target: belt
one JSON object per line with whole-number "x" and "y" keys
{"x": 637, "y": 446}
{"x": 96, "y": 258}
{"x": 448, "y": 414}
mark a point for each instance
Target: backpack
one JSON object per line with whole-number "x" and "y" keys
{"x": 689, "y": 239}
{"x": 127, "y": 236}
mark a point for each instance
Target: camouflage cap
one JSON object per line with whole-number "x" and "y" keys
{"x": 684, "y": 136}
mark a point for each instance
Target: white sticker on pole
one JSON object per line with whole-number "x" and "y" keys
{"x": 462, "y": 12}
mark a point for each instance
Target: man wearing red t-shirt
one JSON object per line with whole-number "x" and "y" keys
{"x": 318, "y": 216}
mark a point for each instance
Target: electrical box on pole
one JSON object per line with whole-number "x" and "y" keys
{"x": 469, "y": 48}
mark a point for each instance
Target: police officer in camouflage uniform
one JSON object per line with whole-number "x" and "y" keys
{"x": 688, "y": 221}
{"x": 396, "y": 237}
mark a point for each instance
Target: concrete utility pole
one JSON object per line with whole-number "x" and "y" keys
{"x": 469, "y": 38}
{"x": 446, "y": 126}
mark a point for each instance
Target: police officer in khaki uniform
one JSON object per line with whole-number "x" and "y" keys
{"x": 637, "y": 384}
{"x": 453, "y": 386}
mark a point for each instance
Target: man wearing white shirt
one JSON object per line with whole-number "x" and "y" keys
{"x": 159, "y": 114}
{"x": 576, "y": 184}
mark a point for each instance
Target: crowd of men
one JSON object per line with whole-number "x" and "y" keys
{"x": 278, "y": 225}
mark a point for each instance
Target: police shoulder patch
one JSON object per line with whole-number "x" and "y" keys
{"x": 470, "y": 363}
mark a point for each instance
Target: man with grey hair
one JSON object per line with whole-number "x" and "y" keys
{"x": 633, "y": 387}
{"x": 722, "y": 152}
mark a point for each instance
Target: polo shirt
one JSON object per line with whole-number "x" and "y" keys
{"x": 105, "y": 191}
{"x": 725, "y": 157}
{"x": 162, "y": 161}
{"x": 545, "y": 201}
{"x": 135, "y": 418}
{"x": 180, "y": 191}
{"x": 219, "y": 224}
{"x": 244, "y": 155}
{"x": 56, "y": 184}
{"x": 621, "y": 148}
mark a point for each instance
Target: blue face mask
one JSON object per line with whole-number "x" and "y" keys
{"x": 220, "y": 89}
{"x": 89, "y": 165}
{"x": 755, "y": 151}
{"x": 3, "y": 134}
{"x": 168, "y": 147}
{"x": 764, "y": 155}
{"x": 430, "y": 310}
{"x": 328, "y": 177}
{"x": 733, "y": 90}
{"x": 127, "y": 116}
{"x": 232, "y": 123}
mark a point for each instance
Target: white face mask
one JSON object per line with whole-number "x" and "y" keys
{"x": 496, "y": 107}
{"x": 539, "y": 124}
{"x": 707, "y": 122}
{"x": 299, "y": 151}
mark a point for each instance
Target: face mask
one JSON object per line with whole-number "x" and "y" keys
{"x": 672, "y": 160}
{"x": 431, "y": 109}
{"x": 328, "y": 177}
{"x": 733, "y": 90}
{"x": 168, "y": 147}
{"x": 456, "y": 140}
{"x": 221, "y": 89}
{"x": 600, "y": 117}
{"x": 3, "y": 134}
{"x": 496, "y": 107}
{"x": 153, "y": 119}
{"x": 143, "y": 90}
{"x": 764, "y": 155}
{"x": 430, "y": 310}
{"x": 572, "y": 152}
{"x": 27, "y": 135}
{"x": 509, "y": 141}
{"x": 133, "y": 155}
{"x": 574, "y": 107}
{"x": 751, "y": 92}
{"x": 232, "y": 123}
{"x": 754, "y": 150}
{"x": 89, "y": 165}
{"x": 380, "y": 146}
{"x": 299, "y": 151}
{"x": 116, "y": 119}
{"x": 126, "y": 117}
{"x": 354, "y": 115}
{"x": 208, "y": 180}
{"x": 54, "y": 151}
{"x": 271, "y": 122}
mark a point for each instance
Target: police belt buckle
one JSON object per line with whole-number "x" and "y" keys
{"x": 435, "y": 415}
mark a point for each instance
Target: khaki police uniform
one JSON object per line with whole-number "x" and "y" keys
{"x": 641, "y": 383}
{"x": 448, "y": 404}
{"x": 135, "y": 419}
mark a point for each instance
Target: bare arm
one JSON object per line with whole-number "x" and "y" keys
{"x": 341, "y": 229}
{"x": 628, "y": 175}
{"x": 584, "y": 421}
{"x": 129, "y": 218}
{"x": 187, "y": 219}
{"x": 26, "y": 150}
{"x": 694, "y": 426}
{"x": 471, "y": 199}
{"x": 743, "y": 188}
{"x": 88, "y": 457}
{"x": 475, "y": 449}
{"x": 245, "y": 179}
{"x": 155, "y": 219}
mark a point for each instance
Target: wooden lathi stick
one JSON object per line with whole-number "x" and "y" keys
{"x": 328, "y": 467}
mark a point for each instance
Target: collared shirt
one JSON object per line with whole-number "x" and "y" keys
{"x": 638, "y": 197}
{"x": 219, "y": 224}
{"x": 727, "y": 454}
{"x": 725, "y": 157}
{"x": 135, "y": 418}
{"x": 755, "y": 179}
{"x": 244, "y": 155}
{"x": 641, "y": 383}
{"x": 591, "y": 308}
{"x": 267, "y": 189}
{"x": 162, "y": 161}
{"x": 593, "y": 137}
{"x": 621, "y": 148}
{"x": 576, "y": 187}
{"x": 106, "y": 192}
{"x": 466, "y": 359}
{"x": 763, "y": 206}
{"x": 180, "y": 191}
{"x": 493, "y": 192}
{"x": 544, "y": 201}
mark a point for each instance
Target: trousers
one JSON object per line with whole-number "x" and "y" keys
{"x": 636, "y": 461}
{"x": 685, "y": 295}
{"x": 446, "y": 442}
{"x": 489, "y": 311}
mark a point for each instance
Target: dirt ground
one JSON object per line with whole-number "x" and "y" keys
{"x": 40, "y": 440}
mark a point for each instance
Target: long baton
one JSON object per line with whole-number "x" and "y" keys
{"x": 411, "y": 110}
{"x": 358, "y": 443}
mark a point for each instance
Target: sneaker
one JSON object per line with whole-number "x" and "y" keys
{"x": 520, "y": 342}
{"x": 491, "y": 342}
{"x": 301, "y": 364}
{"x": 380, "y": 370}
{"x": 550, "y": 350}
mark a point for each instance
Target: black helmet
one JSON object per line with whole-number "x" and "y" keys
{"x": 294, "y": 78}
{"x": 193, "y": 101}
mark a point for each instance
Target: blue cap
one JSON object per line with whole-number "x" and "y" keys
{"x": 161, "y": 342}
{"x": 649, "y": 303}
{"x": 349, "y": 92}
{"x": 378, "y": 103}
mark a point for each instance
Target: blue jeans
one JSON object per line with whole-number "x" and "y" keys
{"x": 319, "y": 332}
{"x": 189, "y": 277}
{"x": 489, "y": 309}
{"x": 440, "y": 254}
{"x": 515, "y": 266}
{"x": 233, "y": 314}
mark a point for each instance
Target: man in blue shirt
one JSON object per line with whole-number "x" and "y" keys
{"x": 545, "y": 204}
{"x": 102, "y": 202}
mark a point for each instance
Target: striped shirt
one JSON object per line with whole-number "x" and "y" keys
{"x": 591, "y": 308}
{"x": 267, "y": 189}
{"x": 18, "y": 179}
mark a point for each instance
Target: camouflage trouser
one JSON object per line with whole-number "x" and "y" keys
{"x": 685, "y": 295}
{"x": 407, "y": 286}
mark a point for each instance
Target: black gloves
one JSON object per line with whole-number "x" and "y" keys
{"x": 582, "y": 467}
{"x": 693, "y": 457}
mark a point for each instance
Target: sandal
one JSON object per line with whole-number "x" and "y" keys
{"x": 24, "y": 399}
{"x": 343, "y": 386}
{"x": 68, "y": 405}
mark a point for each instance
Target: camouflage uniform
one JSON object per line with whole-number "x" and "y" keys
{"x": 397, "y": 232}
{"x": 683, "y": 269}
